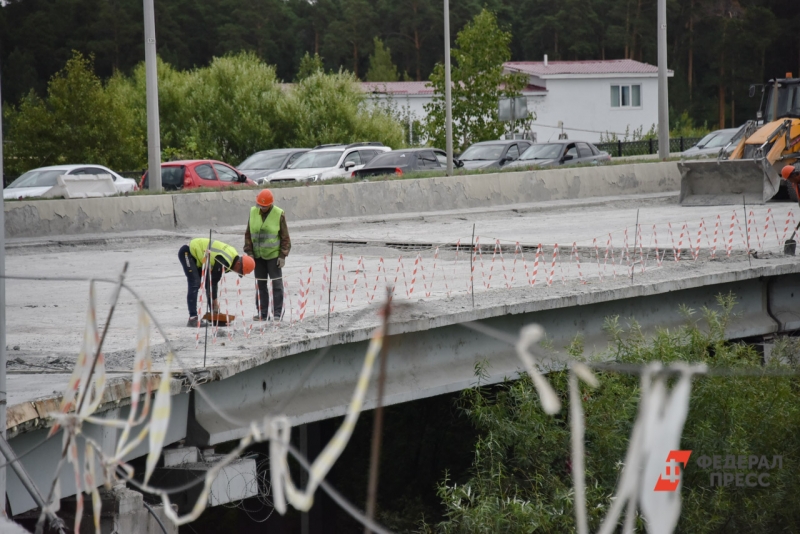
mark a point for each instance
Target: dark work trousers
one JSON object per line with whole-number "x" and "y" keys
{"x": 269, "y": 269}
{"x": 193, "y": 274}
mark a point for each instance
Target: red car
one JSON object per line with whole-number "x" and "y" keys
{"x": 188, "y": 174}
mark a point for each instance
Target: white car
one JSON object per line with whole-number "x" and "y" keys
{"x": 329, "y": 161}
{"x": 37, "y": 182}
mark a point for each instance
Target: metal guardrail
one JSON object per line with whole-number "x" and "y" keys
{"x": 646, "y": 146}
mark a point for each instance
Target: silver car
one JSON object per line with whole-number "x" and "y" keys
{"x": 562, "y": 152}
{"x": 262, "y": 165}
{"x": 329, "y": 161}
{"x": 710, "y": 145}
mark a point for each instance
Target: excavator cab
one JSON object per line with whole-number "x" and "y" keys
{"x": 751, "y": 172}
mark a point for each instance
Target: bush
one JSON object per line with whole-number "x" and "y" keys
{"x": 234, "y": 107}
{"x": 330, "y": 108}
{"x": 521, "y": 479}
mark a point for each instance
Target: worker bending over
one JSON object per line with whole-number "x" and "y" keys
{"x": 223, "y": 257}
{"x": 267, "y": 240}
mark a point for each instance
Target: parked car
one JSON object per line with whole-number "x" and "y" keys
{"x": 267, "y": 162}
{"x": 406, "y": 160}
{"x": 561, "y": 152}
{"x": 37, "y": 182}
{"x": 710, "y": 145}
{"x": 329, "y": 161}
{"x": 493, "y": 154}
{"x": 189, "y": 174}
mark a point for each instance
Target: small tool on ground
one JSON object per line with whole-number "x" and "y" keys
{"x": 219, "y": 319}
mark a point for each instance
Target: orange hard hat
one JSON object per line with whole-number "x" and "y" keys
{"x": 787, "y": 171}
{"x": 248, "y": 264}
{"x": 265, "y": 198}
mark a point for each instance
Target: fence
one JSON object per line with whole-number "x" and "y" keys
{"x": 433, "y": 271}
{"x": 646, "y": 146}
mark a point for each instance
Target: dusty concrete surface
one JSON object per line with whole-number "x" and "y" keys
{"x": 63, "y": 217}
{"x": 45, "y": 319}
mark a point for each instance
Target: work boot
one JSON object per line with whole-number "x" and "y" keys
{"x": 258, "y": 318}
{"x": 193, "y": 322}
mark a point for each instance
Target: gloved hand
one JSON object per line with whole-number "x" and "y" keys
{"x": 281, "y": 262}
{"x": 215, "y": 306}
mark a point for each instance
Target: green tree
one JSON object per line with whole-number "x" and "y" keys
{"x": 381, "y": 68}
{"x": 346, "y": 39}
{"x": 309, "y": 65}
{"x": 230, "y": 108}
{"x": 521, "y": 480}
{"x": 78, "y": 122}
{"x": 330, "y": 108}
{"x": 478, "y": 83}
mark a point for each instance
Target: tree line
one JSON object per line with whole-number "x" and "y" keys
{"x": 228, "y": 110}
{"x": 717, "y": 48}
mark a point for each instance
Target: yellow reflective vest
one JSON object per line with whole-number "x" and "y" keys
{"x": 198, "y": 248}
{"x": 264, "y": 233}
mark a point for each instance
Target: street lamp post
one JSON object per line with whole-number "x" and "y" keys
{"x": 151, "y": 75}
{"x": 3, "y": 354}
{"x": 448, "y": 114}
{"x": 663, "y": 102}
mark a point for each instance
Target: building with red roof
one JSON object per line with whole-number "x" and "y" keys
{"x": 583, "y": 99}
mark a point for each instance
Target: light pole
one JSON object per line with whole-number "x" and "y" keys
{"x": 151, "y": 75}
{"x": 663, "y": 102}
{"x": 3, "y": 355}
{"x": 448, "y": 114}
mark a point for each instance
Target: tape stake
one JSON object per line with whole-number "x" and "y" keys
{"x": 503, "y": 265}
{"x": 517, "y": 250}
{"x": 641, "y": 252}
{"x": 536, "y": 264}
{"x": 730, "y": 237}
{"x": 696, "y": 251}
{"x": 578, "y": 261}
{"x": 553, "y": 265}
{"x": 414, "y": 276}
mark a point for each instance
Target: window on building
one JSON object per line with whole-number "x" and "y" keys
{"x": 626, "y": 96}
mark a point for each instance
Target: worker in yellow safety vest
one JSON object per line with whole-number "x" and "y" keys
{"x": 267, "y": 240}
{"x": 223, "y": 258}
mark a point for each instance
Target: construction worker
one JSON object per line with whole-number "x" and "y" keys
{"x": 223, "y": 258}
{"x": 267, "y": 240}
{"x": 791, "y": 173}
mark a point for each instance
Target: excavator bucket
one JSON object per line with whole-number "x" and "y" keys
{"x": 715, "y": 183}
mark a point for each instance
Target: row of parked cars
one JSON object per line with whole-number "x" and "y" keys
{"x": 360, "y": 160}
{"x": 324, "y": 162}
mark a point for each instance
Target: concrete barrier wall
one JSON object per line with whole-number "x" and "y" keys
{"x": 41, "y": 218}
{"x": 226, "y": 208}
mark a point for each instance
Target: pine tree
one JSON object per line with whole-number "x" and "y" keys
{"x": 309, "y": 65}
{"x": 381, "y": 68}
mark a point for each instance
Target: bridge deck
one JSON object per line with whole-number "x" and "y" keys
{"x": 45, "y": 319}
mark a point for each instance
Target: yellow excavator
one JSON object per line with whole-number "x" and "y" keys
{"x": 751, "y": 172}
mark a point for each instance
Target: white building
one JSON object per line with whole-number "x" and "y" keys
{"x": 585, "y": 99}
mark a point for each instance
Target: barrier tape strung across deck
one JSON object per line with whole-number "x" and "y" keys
{"x": 433, "y": 277}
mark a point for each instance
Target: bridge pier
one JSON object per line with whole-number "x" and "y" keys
{"x": 123, "y": 511}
